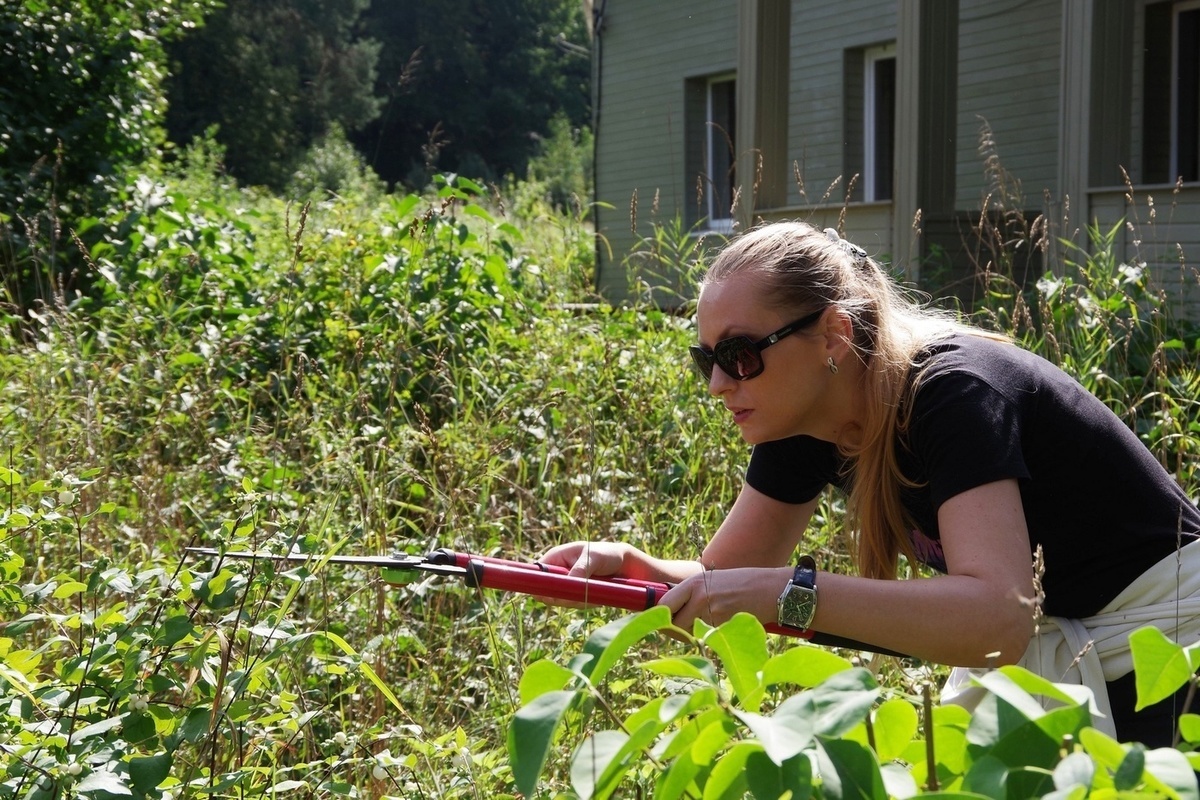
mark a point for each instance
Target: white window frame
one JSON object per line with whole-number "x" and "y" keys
{"x": 1177, "y": 9}
{"x": 718, "y": 219}
{"x": 870, "y": 126}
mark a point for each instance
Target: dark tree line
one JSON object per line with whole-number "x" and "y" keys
{"x": 456, "y": 85}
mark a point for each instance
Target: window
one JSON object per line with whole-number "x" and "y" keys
{"x": 879, "y": 121}
{"x": 1185, "y": 78}
{"x": 711, "y": 152}
{"x": 1171, "y": 132}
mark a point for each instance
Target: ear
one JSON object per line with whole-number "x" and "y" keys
{"x": 838, "y": 329}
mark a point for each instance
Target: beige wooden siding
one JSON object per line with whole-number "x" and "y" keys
{"x": 650, "y": 49}
{"x": 1008, "y": 74}
{"x": 822, "y": 32}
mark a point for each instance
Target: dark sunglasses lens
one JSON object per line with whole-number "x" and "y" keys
{"x": 703, "y": 361}
{"x": 739, "y": 358}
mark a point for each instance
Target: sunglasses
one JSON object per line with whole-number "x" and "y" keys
{"x": 741, "y": 358}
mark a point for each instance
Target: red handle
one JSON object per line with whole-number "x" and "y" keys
{"x": 509, "y": 576}
{"x": 630, "y": 594}
{"x": 447, "y": 556}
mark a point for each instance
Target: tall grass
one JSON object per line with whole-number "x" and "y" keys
{"x": 366, "y": 375}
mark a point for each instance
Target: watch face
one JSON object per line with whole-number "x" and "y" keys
{"x": 798, "y": 607}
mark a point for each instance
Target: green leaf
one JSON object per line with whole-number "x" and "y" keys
{"x": 727, "y": 781}
{"x": 804, "y": 665}
{"x": 541, "y": 677}
{"x": 788, "y": 731}
{"x": 531, "y": 734}
{"x": 987, "y": 776}
{"x": 147, "y": 773}
{"x": 102, "y": 781}
{"x": 610, "y": 643}
{"x": 1189, "y": 727}
{"x": 690, "y": 667}
{"x": 895, "y": 724}
{"x": 843, "y": 701}
{"x": 595, "y": 757}
{"x": 174, "y": 629}
{"x": 363, "y": 666}
{"x": 741, "y": 643}
{"x": 601, "y": 762}
{"x": 1168, "y": 771}
{"x": 1076, "y": 770}
{"x": 849, "y": 771}
{"x": 1129, "y": 772}
{"x": 8, "y": 477}
{"x": 1160, "y": 666}
{"x": 138, "y": 727}
{"x": 106, "y": 725}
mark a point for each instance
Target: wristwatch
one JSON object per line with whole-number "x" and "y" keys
{"x": 798, "y": 603}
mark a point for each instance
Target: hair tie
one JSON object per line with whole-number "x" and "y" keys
{"x": 849, "y": 248}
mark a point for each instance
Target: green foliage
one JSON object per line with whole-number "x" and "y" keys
{"x": 366, "y": 373}
{"x": 81, "y": 103}
{"x": 472, "y": 85}
{"x": 562, "y": 167}
{"x": 705, "y": 731}
{"x": 333, "y": 166}
{"x": 274, "y": 76}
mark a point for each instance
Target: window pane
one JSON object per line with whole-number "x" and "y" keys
{"x": 721, "y": 149}
{"x": 1187, "y": 96}
{"x": 885, "y": 126}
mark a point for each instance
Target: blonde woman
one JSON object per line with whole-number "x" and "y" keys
{"x": 957, "y": 449}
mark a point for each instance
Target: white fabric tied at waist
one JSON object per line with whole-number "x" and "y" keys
{"x": 1093, "y": 650}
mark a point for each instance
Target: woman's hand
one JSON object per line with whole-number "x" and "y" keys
{"x": 588, "y": 559}
{"x": 716, "y": 595}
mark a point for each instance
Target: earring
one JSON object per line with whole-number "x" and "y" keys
{"x": 833, "y": 367}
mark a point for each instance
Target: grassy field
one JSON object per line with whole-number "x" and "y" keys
{"x": 369, "y": 375}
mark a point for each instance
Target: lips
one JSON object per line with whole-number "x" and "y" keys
{"x": 740, "y": 415}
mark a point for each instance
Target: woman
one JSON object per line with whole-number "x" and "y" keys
{"x": 956, "y": 448}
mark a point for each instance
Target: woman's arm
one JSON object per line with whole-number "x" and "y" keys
{"x": 981, "y": 607}
{"x": 757, "y": 532}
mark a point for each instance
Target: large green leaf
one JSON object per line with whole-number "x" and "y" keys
{"x": 1074, "y": 771}
{"x": 727, "y": 781}
{"x": 849, "y": 771}
{"x": 597, "y": 762}
{"x": 531, "y": 734}
{"x": 1168, "y": 771}
{"x": 786, "y": 732}
{"x": 147, "y": 773}
{"x": 1160, "y": 666}
{"x": 804, "y": 665}
{"x": 694, "y": 668}
{"x": 895, "y": 724}
{"x": 610, "y": 643}
{"x": 696, "y": 753}
{"x": 843, "y": 700}
{"x": 741, "y": 644}
{"x": 541, "y": 677}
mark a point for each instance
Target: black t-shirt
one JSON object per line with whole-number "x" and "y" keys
{"x": 1096, "y": 500}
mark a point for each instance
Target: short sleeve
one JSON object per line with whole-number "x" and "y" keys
{"x": 793, "y": 470}
{"x": 964, "y": 434}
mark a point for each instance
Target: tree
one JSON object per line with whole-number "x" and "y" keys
{"x": 273, "y": 76}
{"x": 472, "y": 85}
{"x": 81, "y": 102}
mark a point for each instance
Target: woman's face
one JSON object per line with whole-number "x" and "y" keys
{"x": 786, "y": 399}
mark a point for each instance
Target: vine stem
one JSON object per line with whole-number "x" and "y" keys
{"x": 931, "y": 781}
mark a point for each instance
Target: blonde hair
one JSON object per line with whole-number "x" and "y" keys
{"x": 802, "y": 269}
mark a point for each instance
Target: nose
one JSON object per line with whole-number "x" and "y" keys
{"x": 720, "y": 382}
